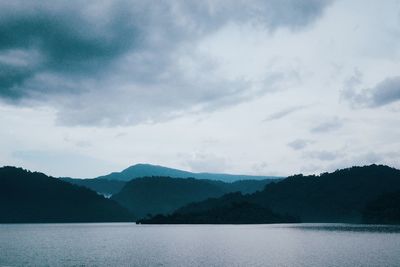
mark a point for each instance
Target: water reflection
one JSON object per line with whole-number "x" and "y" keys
{"x": 346, "y": 227}
{"x": 128, "y": 244}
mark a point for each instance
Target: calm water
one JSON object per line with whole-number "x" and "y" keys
{"x": 198, "y": 245}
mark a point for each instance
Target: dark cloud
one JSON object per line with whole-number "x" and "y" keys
{"x": 58, "y": 41}
{"x": 383, "y": 93}
{"x": 121, "y": 62}
{"x": 386, "y": 92}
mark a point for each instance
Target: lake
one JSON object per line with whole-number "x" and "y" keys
{"x": 128, "y": 244}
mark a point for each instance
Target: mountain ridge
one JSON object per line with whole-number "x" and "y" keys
{"x": 147, "y": 170}
{"x": 162, "y": 195}
{"x": 342, "y": 196}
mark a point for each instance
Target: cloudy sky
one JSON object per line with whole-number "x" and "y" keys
{"x": 272, "y": 87}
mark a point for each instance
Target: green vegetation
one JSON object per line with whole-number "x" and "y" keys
{"x": 163, "y": 195}
{"x": 340, "y": 196}
{"x": 33, "y": 197}
{"x": 102, "y": 186}
{"x": 383, "y": 210}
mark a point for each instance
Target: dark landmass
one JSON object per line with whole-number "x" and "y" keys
{"x": 233, "y": 213}
{"x": 340, "y": 196}
{"x": 369, "y": 194}
{"x": 154, "y": 195}
{"x": 163, "y": 195}
{"x": 108, "y": 188}
{"x": 104, "y": 187}
{"x": 248, "y": 186}
{"x": 148, "y": 170}
{"x": 383, "y": 210}
{"x": 32, "y": 197}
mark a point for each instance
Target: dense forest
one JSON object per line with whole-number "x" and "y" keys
{"x": 102, "y": 186}
{"x": 163, "y": 195}
{"x": 34, "y": 197}
{"x": 369, "y": 194}
{"x": 385, "y": 209}
{"x": 341, "y": 196}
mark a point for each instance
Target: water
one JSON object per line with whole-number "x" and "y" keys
{"x": 124, "y": 244}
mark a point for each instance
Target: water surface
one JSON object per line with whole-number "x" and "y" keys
{"x": 124, "y": 244}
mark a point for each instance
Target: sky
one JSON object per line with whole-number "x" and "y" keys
{"x": 273, "y": 87}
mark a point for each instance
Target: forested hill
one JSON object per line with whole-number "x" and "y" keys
{"x": 163, "y": 195}
{"x": 34, "y": 197}
{"x": 344, "y": 196}
{"x": 111, "y": 187}
{"x": 340, "y": 196}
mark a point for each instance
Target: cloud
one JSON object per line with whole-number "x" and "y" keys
{"x": 128, "y": 62}
{"x": 385, "y": 92}
{"x": 328, "y": 126}
{"x": 323, "y": 155}
{"x": 283, "y": 113}
{"x": 299, "y": 144}
{"x": 206, "y": 162}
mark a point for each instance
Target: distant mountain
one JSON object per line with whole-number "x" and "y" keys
{"x": 148, "y": 170}
{"x": 104, "y": 187}
{"x": 385, "y": 209}
{"x": 162, "y": 195}
{"x": 33, "y": 197}
{"x": 154, "y": 195}
{"x": 341, "y": 196}
{"x": 108, "y": 188}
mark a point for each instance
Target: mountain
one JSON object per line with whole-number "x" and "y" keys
{"x": 104, "y": 187}
{"x": 108, "y": 188}
{"x": 162, "y": 195}
{"x": 154, "y": 195}
{"x": 148, "y": 170}
{"x": 385, "y": 209}
{"x": 32, "y": 197}
{"x": 341, "y": 196}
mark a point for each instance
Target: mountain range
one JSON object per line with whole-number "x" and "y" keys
{"x": 163, "y": 195}
{"x": 112, "y": 183}
{"x": 368, "y": 194}
{"x": 158, "y": 193}
{"x": 148, "y": 170}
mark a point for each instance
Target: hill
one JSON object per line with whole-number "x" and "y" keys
{"x": 32, "y": 197}
{"x": 341, "y": 196}
{"x": 108, "y": 188}
{"x": 148, "y": 170}
{"x": 233, "y": 213}
{"x": 162, "y": 195}
{"x": 385, "y": 209}
{"x": 104, "y": 187}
